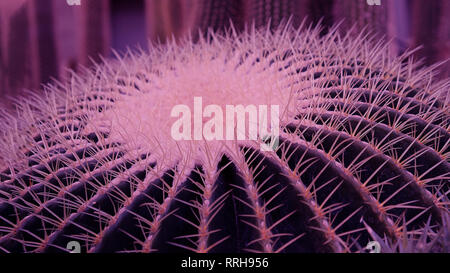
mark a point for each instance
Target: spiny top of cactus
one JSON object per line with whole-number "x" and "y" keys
{"x": 364, "y": 151}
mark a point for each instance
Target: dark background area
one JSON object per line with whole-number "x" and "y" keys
{"x": 40, "y": 39}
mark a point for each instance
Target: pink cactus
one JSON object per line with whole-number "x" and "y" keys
{"x": 363, "y": 154}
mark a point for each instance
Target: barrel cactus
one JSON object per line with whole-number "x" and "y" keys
{"x": 363, "y": 151}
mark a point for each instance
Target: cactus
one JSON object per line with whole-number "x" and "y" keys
{"x": 363, "y": 152}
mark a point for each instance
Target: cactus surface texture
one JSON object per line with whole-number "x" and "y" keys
{"x": 363, "y": 152}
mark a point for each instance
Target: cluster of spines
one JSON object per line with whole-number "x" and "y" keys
{"x": 366, "y": 155}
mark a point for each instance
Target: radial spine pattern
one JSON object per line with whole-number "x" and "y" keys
{"x": 363, "y": 152}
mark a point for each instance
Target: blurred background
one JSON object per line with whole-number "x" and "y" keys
{"x": 40, "y": 39}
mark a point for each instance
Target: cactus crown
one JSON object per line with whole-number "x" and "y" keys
{"x": 363, "y": 154}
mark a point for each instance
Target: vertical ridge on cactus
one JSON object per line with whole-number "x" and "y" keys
{"x": 363, "y": 154}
